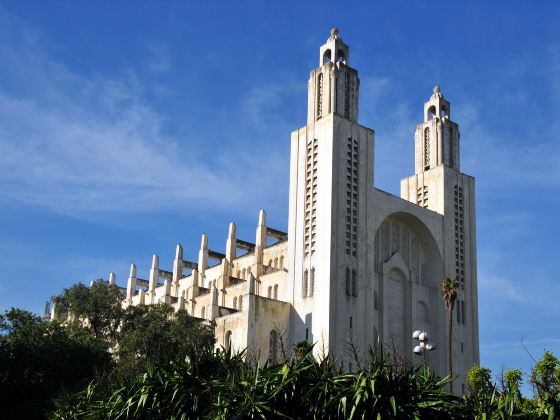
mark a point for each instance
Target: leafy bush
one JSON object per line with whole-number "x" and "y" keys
{"x": 38, "y": 359}
{"x": 219, "y": 385}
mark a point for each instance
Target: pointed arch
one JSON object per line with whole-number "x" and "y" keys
{"x": 274, "y": 344}
{"x": 227, "y": 341}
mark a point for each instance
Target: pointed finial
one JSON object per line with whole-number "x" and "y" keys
{"x": 204, "y": 241}
{"x": 132, "y": 270}
{"x": 179, "y": 252}
{"x": 232, "y": 229}
{"x": 155, "y": 262}
{"x": 437, "y": 92}
{"x": 112, "y": 278}
{"x": 334, "y": 33}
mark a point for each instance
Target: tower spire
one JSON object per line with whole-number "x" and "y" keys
{"x": 333, "y": 86}
{"x": 437, "y": 138}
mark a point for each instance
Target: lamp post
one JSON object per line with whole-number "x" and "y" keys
{"x": 424, "y": 345}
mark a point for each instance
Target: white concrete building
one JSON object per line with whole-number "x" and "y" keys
{"x": 356, "y": 261}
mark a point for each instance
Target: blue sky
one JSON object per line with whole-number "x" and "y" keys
{"x": 126, "y": 128}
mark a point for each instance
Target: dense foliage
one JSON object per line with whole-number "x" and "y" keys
{"x": 218, "y": 385}
{"x": 95, "y": 340}
{"x": 40, "y": 359}
{"x": 150, "y": 362}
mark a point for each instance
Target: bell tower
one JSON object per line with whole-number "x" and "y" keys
{"x": 333, "y": 86}
{"x": 439, "y": 185}
{"x": 331, "y": 178}
{"x": 437, "y": 138}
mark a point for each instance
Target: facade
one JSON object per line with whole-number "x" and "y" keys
{"x": 357, "y": 263}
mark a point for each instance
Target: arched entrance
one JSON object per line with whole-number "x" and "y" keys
{"x": 407, "y": 270}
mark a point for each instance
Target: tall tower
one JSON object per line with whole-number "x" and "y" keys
{"x": 331, "y": 177}
{"x": 439, "y": 185}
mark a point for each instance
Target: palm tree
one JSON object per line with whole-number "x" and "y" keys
{"x": 449, "y": 290}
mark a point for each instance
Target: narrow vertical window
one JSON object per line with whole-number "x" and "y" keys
{"x": 320, "y": 96}
{"x": 273, "y": 345}
{"x": 450, "y": 145}
{"x": 275, "y": 294}
{"x": 227, "y": 341}
{"x": 312, "y": 282}
{"x": 354, "y": 283}
{"x": 427, "y": 148}
{"x": 269, "y": 292}
{"x": 305, "y": 283}
{"x": 234, "y": 303}
{"x": 203, "y": 312}
{"x": 347, "y": 94}
{"x": 240, "y": 303}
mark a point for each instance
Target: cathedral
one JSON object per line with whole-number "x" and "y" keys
{"x": 357, "y": 264}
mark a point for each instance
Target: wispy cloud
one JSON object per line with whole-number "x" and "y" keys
{"x": 543, "y": 342}
{"x": 159, "y": 60}
{"x": 382, "y": 107}
{"x": 503, "y": 164}
{"x": 81, "y": 145}
{"x": 498, "y": 287}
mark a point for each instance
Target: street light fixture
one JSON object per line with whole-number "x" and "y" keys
{"x": 424, "y": 345}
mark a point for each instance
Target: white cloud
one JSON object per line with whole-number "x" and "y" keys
{"x": 498, "y": 287}
{"x": 80, "y": 145}
{"x": 506, "y": 159}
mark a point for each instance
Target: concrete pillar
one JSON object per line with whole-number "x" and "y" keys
{"x": 142, "y": 297}
{"x": 260, "y": 244}
{"x": 112, "y": 279}
{"x": 167, "y": 286}
{"x": 131, "y": 287}
{"x": 251, "y": 284}
{"x": 178, "y": 264}
{"x": 214, "y": 307}
{"x": 154, "y": 277}
{"x": 203, "y": 255}
{"x": 189, "y": 300}
{"x": 223, "y": 279}
{"x": 231, "y": 246}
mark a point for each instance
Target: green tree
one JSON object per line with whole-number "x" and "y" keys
{"x": 157, "y": 334}
{"x": 99, "y": 305}
{"x": 545, "y": 378}
{"x": 449, "y": 290}
{"x": 480, "y": 384}
{"x": 40, "y": 358}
